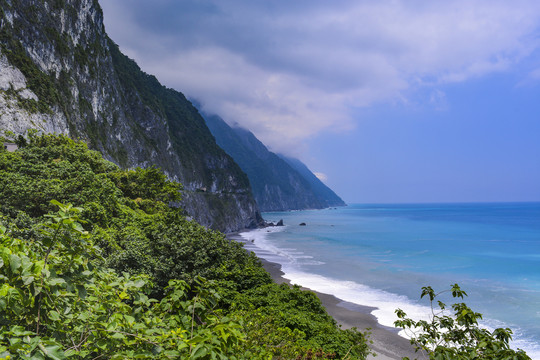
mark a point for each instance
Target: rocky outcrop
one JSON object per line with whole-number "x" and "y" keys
{"x": 61, "y": 73}
{"x": 13, "y": 92}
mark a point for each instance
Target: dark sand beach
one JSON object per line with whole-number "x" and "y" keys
{"x": 387, "y": 344}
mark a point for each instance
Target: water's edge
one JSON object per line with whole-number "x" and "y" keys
{"x": 353, "y": 295}
{"x": 387, "y": 344}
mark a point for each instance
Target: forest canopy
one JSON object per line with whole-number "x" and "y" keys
{"x": 96, "y": 263}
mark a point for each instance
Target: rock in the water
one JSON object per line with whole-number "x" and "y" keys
{"x": 303, "y": 224}
{"x": 280, "y": 223}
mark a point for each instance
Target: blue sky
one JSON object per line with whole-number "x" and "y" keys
{"x": 388, "y": 100}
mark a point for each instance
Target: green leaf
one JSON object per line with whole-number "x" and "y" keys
{"x": 56, "y": 281}
{"x": 130, "y": 319}
{"x": 119, "y": 336}
{"x": 199, "y": 352}
{"x": 54, "y": 316}
{"x": 171, "y": 353}
{"x": 20, "y": 331}
{"x": 81, "y": 290}
{"x": 84, "y": 315}
{"x": 53, "y": 351}
{"x": 28, "y": 280}
{"x": 140, "y": 283}
{"x": 14, "y": 262}
{"x": 57, "y": 203}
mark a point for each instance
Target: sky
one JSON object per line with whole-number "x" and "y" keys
{"x": 388, "y": 101}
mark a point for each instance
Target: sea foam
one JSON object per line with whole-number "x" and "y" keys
{"x": 383, "y": 302}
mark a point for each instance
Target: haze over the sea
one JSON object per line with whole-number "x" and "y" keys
{"x": 387, "y": 101}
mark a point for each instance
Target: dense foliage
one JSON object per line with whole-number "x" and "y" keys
{"x": 56, "y": 304}
{"x": 96, "y": 264}
{"x": 457, "y": 336}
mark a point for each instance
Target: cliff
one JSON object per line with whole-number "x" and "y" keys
{"x": 278, "y": 184}
{"x": 59, "y": 72}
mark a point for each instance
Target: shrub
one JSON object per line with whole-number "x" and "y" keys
{"x": 457, "y": 336}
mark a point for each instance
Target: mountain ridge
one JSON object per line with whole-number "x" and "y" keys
{"x": 277, "y": 184}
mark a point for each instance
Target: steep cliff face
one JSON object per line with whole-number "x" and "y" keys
{"x": 277, "y": 185}
{"x": 61, "y": 73}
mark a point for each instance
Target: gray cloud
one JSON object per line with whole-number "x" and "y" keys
{"x": 289, "y": 70}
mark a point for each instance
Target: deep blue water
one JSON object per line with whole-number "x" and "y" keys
{"x": 381, "y": 256}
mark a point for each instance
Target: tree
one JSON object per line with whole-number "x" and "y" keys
{"x": 457, "y": 336}
{"x": 55, "y": 303}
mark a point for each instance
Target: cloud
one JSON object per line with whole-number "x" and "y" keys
{"x": 532, "y": 78}
{"x": 321, "y": 176}
{"x": 291, "y": 70}
{"x": 438, "y": 100}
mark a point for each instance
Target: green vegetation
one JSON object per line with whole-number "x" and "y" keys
{"x": 37, "y": 81}
{"x": 457, "y": 336}
{"x": 189, "y": 134}
{"x": 94, "y": 263}
{"x": 57, "y": 304}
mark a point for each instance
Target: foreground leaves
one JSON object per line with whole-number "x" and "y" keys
{"x": 456, "y": 335}
{"x": 55, "y": 304}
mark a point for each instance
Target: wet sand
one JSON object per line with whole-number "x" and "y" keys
{"x": 386, "y": 343}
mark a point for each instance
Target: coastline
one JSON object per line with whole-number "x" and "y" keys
{"x": 386, "y": 343}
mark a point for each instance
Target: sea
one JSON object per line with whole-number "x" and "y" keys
{"x": 382, "y": 255}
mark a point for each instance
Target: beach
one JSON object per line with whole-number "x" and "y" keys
{"x": 386, "y": 343}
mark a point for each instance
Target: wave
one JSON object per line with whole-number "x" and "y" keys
{"x": 383, "y": 302}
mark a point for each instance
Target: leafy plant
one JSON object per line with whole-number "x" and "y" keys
{"x": 55, "y": 304}
{"x": 277, "y": 312}
{"x": 456, "y": 336}
{"x": 127, "y": 281}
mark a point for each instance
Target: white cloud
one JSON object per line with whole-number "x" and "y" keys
{"x": 438, "y": 100}
{"x": 288, "y": 71}
{"x": 321, "y": 176}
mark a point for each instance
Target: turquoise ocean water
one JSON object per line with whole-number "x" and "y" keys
{"x": 381, "y": 256}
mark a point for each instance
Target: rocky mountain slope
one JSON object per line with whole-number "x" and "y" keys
{"x": 321, "y": 191}
{"x": 59, "y": 72}
{"x": 278, "y": 183}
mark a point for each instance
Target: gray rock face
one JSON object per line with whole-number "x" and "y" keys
{"x": 59, "y": 72}
{"x": 13, "y": 88}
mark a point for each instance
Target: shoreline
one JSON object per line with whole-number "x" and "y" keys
{"x": 386, "y": 342}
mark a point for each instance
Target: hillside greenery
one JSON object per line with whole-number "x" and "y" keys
{"x": 191, "y": 136}
{"x": 95, "y": 264}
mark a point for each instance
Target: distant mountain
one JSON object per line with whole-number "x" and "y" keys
{"x": 278, "y": 183}
{"x": 323, "y": 192}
